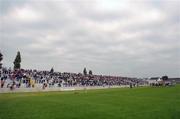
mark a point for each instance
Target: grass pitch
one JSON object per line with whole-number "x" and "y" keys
{"x": 136, "y": 103}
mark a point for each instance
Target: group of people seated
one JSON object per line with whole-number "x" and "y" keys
{"x": 31, "y": 78}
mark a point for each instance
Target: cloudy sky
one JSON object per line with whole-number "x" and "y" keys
{"x": 138, "y": 38}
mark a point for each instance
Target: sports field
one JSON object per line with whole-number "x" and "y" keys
{"x": 124, "y": 103}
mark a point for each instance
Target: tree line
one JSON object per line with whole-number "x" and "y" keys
{"x": 17, "y": 64}
{"x": 17, "y": 60}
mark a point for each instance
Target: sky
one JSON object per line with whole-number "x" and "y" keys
{"x": 135, "y": 38}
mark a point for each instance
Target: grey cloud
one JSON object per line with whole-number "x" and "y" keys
{"x": 7, "y": 5}
{"x": 71, "y": 35}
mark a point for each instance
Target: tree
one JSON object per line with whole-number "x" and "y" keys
{"x": 17, "y": 61}
{"x": 1, "y": 58}
{"x": 52, "y": 70}
{"x": 84, "y": 71}
{"x": 90, "y": 72}
{"x": 164, "y": 78}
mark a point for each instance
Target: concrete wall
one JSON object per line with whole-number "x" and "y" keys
{"x": 39, "y": 89}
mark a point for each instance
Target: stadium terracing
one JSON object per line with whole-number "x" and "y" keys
{"x": 47, "y": 79}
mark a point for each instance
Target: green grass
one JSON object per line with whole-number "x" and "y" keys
{"x": 136, "y": 103}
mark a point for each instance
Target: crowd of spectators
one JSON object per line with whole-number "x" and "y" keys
{"x": 30, "y": 78}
